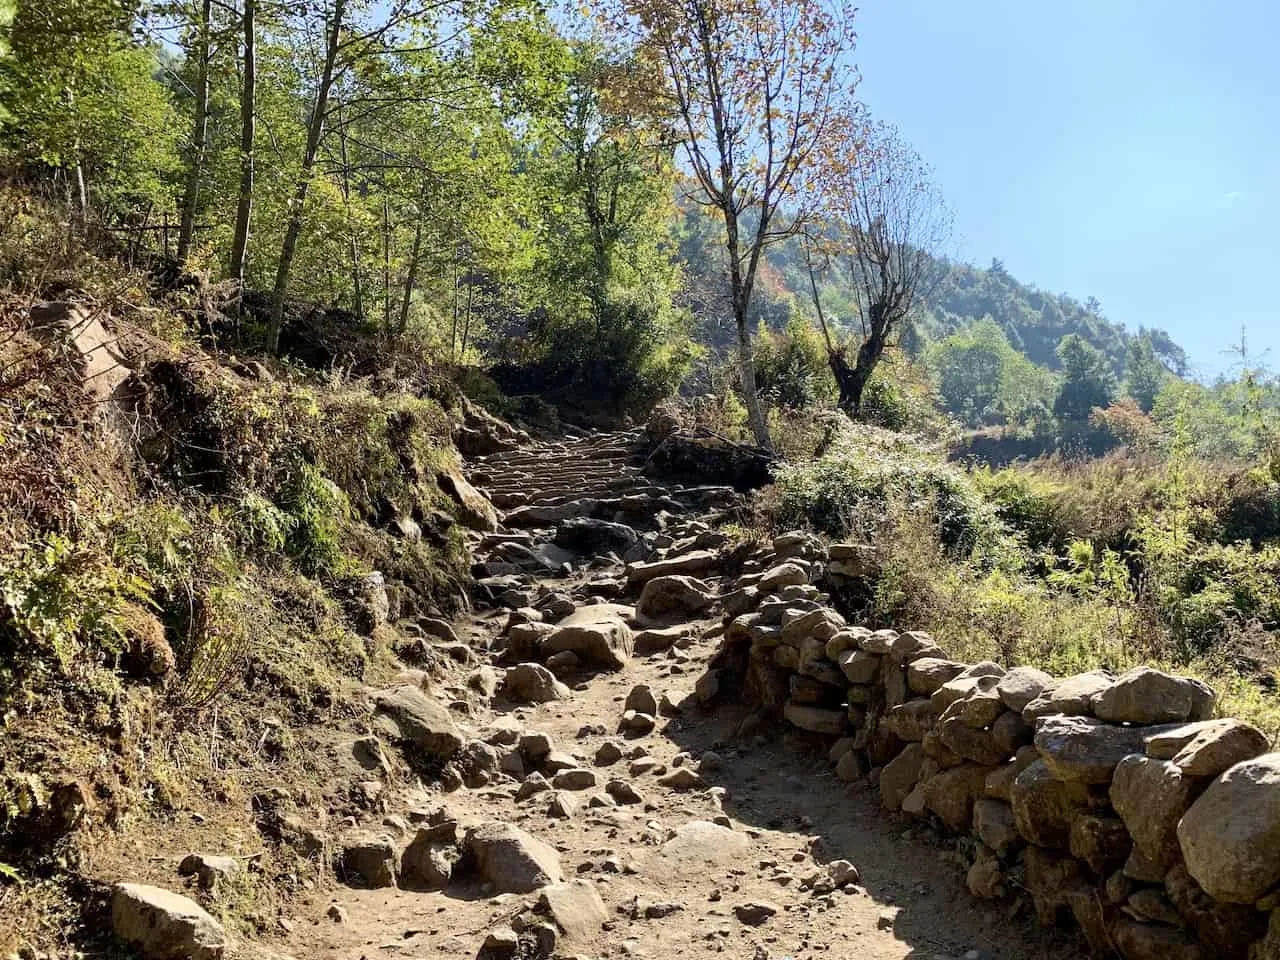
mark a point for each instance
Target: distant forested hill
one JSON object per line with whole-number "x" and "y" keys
{"x": 959, "y": 295}
{"x": 1034, "y": 321}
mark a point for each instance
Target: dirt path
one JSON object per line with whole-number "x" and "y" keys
{"x": 672, "y": 891}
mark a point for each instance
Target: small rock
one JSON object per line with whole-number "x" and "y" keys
{"x": 682, "y": 778}
{"x": 608, "y": 753}
{"x": 562, "y": 806}
{"x": 842, "y": 872}
{"x": 623, "y": 792}
{"x": 755, "y": 912}
{"x": 208, "y": 870}
{"x": 575, "y": 779}
{"x": 638, "y": 723}
{"x": 641, "y": 700}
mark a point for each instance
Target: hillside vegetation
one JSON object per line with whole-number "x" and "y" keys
{"x": 270, "y": 274}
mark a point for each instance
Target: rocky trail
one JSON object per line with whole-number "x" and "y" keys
{"x": 651, "y": 738}
{"x": 602, "y": 800}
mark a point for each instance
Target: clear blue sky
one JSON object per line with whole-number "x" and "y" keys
{"x": 1124, "y": 149}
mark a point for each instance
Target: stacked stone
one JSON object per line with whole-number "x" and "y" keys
{"x": 1115, "y": 802}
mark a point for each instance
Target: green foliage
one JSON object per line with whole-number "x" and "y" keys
{"x": 61, "y": 596}
{"x": 867, "y": 472}
{"x": 626, "y": 359}
{"x": 1087, "y": 382}
{"x": 1026, "y": 502}
{"x": 791, "y": 366}
{"x": 984, "y": 380}
{"x": 83, "y": 100}
{"x": 901, "y": 396}
{"x": 318, "y": 510}
{"x": 1144, "y": 373}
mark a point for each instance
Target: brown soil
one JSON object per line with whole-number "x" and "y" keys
{"x": 782, "y": 795}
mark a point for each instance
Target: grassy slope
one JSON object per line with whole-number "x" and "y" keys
{"x": 220, "y": 522}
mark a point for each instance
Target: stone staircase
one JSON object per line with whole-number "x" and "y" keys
{"x": 580, "y": 501}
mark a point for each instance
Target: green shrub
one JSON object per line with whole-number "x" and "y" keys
{"x": 319, "y": 511}
{"x": 60, "y": 597}
{"x": 1026, "y": 502}
{"x": 867, "y": 473}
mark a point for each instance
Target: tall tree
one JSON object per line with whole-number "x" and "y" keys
{"x": 315, "y": 130}
{"x": 1144, "y": 373}
{"x": 754, "y": 85}
{"x": 1088, "y": 380}
{"x": 202, "y": 48}
{"x": 248, "y": 122}
{"x": 888, "y": 221}
{"x": 85, "y": 104}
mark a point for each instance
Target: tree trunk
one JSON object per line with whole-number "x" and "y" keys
{"x": 357, "y": 285}
{"x": 853, "y": 381}
{"x": 315, "y": 130}
{"x": 453, "y": 330}
{"x": 199, "y": 136}
{"x": 386, "y": 266}
{"x": 248, "y": 119}
{"x": 739, "y": 288}
{"x": 411, "y": 278}
{"x": 751, "y": 395}
{"x": 466, "y": 327}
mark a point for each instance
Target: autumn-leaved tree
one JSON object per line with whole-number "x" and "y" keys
{"x": 754, "y": 85}
{"x": 885, "y": 220}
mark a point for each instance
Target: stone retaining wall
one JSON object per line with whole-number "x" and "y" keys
{"x": 1118, "y": 803}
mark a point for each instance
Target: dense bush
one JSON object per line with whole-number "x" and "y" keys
{"x": 635, "y": 353}
{"x": 867, "y": 474}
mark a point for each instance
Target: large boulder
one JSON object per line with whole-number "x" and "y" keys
{"x": 1085, "y": 750}
{"x": 88, "y": 347}
{"x": 816, "y": 719}
{"x": 1230, "y": 838}
{"x": 1153, "y": 941}
{"x": 589, "y": 535}
{"x": 911, "y": 720}
{"x": 1146, "y": 696}
{"x": 576, "y": 908}
{"x": 696, "y": 561}
{"x": 899, "y": 776}
{"x": 1021, "y": 685}
{"x": 786, "y": 574}
{"x": 162, "y": 925}
{"x": 1226, "y": 929}
{"x": 859, "y": 666}
{"x": 369, "y": 860}
{"x": 1072, "y": 696}
{"x": 429, "y": 860}
{"x": 674, "y": 594}
{"x": 532, "y": 683}
{"x": 1151, "y": 796}
{"x": 1209, "y": 747}
{"x": 512, "y": 860}
{"x": 927, "y": 674}
{"x": 972, "y": 743}
{"x": 1101, "y": 842}
{"x": 995, "y": 825}
{"x": 1044, "y": 806}
{"x": 472, "y": 508}
{"x": 952, "y": 793}
{"x": 407, "y": 714}
{"x": 597, "y": 633}
{"x": 700, "y": 843}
